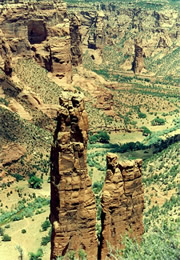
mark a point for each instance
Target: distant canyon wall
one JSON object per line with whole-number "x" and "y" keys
{"x": 42, "y": 30}
{"x": 55, "y": 33}
{"x": 106, "y": 24}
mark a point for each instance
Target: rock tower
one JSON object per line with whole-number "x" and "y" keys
{"x": 122, "y": 203}
{"x": 138, "y": 63}
{"x": 73, "y": 207}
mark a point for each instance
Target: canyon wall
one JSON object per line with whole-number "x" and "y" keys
{"x": 39, "y": 29}
{"x": 108, "y": 24}
{"x": 73, "y": 207}
{"x": 122, "y": 203}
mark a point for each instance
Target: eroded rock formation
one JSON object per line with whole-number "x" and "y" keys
{"x": 75, "y": 27}
{"x": 138, "y": 63}
{"x": 122, "y": 203}
{"x": 117, "y": 24}
{"x": 73, "y": 208}
{"x": 11, "y": 153}
{"x": 40, "y": 30}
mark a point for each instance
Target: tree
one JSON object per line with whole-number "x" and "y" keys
{"x": 158, "y": 121}
{"x": 146, "y": 131}
{"x": 36, "y": 256}
{"x": 45, "y": 225}
{"x": 35, "y": 182}
{"x": 142, "y": 115}
{"x": 6, "y": 237}
{"x": 101, "y": 136}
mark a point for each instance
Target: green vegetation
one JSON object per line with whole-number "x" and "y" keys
{"x": 23, "y": 231}
{"x": 36, "y": 256}
{"x": 71, "y": 255}
{"x": 4, "y": 101}
{"x": 142, "y": 115}
{"x": 46, "y": 239}
{"x": 45, "y": 225}
{"x": 158, "y": 121}
{"x": 1, "y": 231}
{"x": 24, "y": 209}
{"x": 101, "y": 137}
{"x": 97, "y": 187}
{"x": 82, "y": 254}
{"x": 146, "y": 131}
{"x": 6, "y": 238}
{"x": 161, "y": 243}
{"x": 35, "y": 182}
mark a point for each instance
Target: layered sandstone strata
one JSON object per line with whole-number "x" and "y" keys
{"x": 122, "y": 203}
{"x": 73, "y": 207}
{"x": 39, "y": 29}
{"x": 117, "y": 25}
{"x": 75, "y": 27}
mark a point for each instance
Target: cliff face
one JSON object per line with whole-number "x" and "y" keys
{"x": 40, "y": 30}
{"x": 75, "y": 27}
{"x": 73, "y": 207}
{"x": 122, "y": 203}
{"x": 120, "y": 24}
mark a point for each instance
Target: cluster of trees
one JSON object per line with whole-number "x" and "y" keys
{"x": 35, "y": 182}
{"x": 158, "y": 121}
{"x": 101, "y": 137}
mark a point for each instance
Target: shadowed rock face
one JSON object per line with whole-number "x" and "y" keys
{"x": 122, "y": 203}
{"x": 73, "y": 207}
{"x": 75, "y": 26}
{"x": 138, "y": 63}
{"x": 37, "y": 32}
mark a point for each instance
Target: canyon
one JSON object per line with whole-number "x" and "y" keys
{"x": 69, "y": 72}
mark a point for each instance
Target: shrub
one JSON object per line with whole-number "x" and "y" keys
{"x": 101, "y": 136}
{"x": 45, "y": 225}
{"x": 23, "y": 231}
{"x": 17, "y": 217}
{"x": 46, "y": 239}
{"x": 146, "y": 131}
{"x": 1, "y": 231}
{"x": 7, "y": 226}
{"x": 158, "y": 121}
{"x": 20, "y": 250}
{"x": 142, "y": 115}
{"x": 36, "y": 256}
{"x": 97, "y": 187}
{"x": 71, "y": 255}
{"x": 6, "y": 237}
{"x": 35, "y": 182}
{"x": 18, "y": 177}
{"x": 4, "y": 101}
{"x": 82, "y": 254}
{"x": 93, "y": 139}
